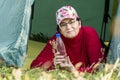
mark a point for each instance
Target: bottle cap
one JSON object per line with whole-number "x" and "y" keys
{"x": 57, "y": 35}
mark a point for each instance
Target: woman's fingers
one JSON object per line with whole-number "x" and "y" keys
{"x": 61, "y": 60}
{"x": 60, "y": 57}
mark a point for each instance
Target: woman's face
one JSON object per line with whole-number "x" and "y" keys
{"x": 69, "y": 28}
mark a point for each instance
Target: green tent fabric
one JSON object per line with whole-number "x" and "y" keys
{"x": 14, "y": 31}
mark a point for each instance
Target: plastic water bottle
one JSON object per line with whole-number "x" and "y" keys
{"x": 60, "y": 45}
{"x": 60, "y": 48}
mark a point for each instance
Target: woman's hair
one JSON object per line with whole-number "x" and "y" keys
{"x": 58, "y": 30}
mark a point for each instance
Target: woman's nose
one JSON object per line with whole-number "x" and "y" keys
{"x": 68, "y": 26}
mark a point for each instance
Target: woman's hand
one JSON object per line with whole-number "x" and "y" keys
{"x": 63, "y": 61}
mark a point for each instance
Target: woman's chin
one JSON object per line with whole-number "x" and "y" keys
{"x": 70, "y": 36}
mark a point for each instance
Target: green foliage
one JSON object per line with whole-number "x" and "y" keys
{"x": 108, "y": 72}
{"x": 39, "y": 37}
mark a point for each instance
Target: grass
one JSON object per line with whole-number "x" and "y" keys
{"x": 34, "y": 49}
{"x": 108, "y": 72}
{"x": 106, "y": 43}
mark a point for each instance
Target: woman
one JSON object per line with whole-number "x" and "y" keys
{"x": 82, "y": 44}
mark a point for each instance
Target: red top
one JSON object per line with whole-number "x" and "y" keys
{"x": 85, "y": 48}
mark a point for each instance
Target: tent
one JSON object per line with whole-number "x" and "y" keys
{"x": 14, "y": 31}
{"x": 114, "y": 51}
{"x": 91, "y": 13}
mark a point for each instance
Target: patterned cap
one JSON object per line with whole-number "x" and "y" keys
{"x": 65, "y": 12}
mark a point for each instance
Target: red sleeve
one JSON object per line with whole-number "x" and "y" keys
{"x": 45, "y": 58}
{"x": 93, "y": 49}
{"x": 94, "y": 46}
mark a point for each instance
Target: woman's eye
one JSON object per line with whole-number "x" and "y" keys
{"x": 64, "y": 24}
{"x": 72, "y": 22}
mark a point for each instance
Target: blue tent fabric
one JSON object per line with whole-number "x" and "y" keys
{"x": 114, "y": 52}
{"x": 14, "y": 31}
{"x": 118, "y": 12}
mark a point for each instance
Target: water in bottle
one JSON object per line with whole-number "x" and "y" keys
{"x": 60, "y": 45}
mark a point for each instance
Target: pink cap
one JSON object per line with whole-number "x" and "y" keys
{"x": 65, "y": 12}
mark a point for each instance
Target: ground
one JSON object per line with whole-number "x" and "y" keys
{"x": 34, "y": 49}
